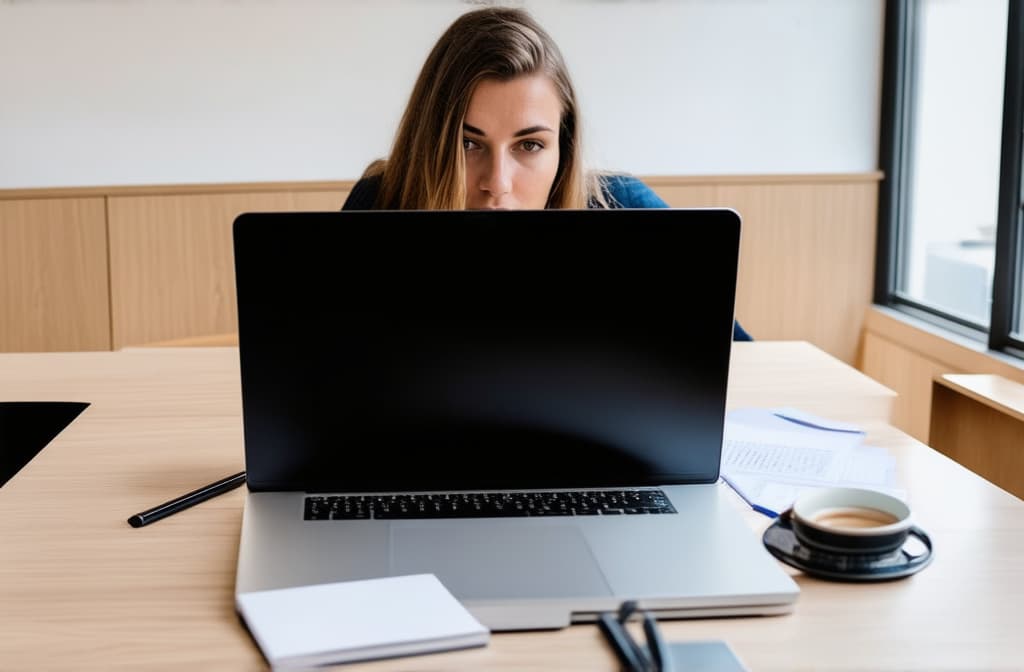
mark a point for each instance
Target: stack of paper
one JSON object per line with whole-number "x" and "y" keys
{"x": 358, "y": 620}
{"x": 771, "y": 456}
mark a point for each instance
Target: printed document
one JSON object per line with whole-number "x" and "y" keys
{"x": 771, "y": 456}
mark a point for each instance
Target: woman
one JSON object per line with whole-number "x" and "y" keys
{"x": 493, "y": 122}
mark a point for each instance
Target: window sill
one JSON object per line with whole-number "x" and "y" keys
{"x": 940, "y": 345}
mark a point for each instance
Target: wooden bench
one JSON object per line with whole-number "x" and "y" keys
{"x": 978, "y": 420}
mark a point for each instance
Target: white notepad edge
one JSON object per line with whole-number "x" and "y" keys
{"x": 384, "y": 651}
{"x": 479, "y": 636}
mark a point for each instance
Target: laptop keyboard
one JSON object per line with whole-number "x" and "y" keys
{"x": 487, "y": 504}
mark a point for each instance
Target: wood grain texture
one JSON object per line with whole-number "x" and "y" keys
{"x": 959, "y": 352}
{"x": 83, "y": 591}
{"x": 807, "y": 256}
{"x": 906, "y": 356}
{"x": 171, "y": 260}
{"x": 346, "y": 185}
{"x": 802, "y": 372}
{"x": 986, "y": 438}
{"x": 908, "y": 373}
{"x": 53, "y": 275}
{"x": 996, "y": 392}
{"x": 805, "y": 273}
{"x": 213, "y": 340}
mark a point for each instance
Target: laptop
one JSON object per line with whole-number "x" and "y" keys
{"x": 527, "y": 404}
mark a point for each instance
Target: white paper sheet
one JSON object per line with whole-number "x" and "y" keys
{"x": 770, "y": 460}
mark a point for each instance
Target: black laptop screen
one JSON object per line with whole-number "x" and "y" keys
{"x": 421, "y": 351}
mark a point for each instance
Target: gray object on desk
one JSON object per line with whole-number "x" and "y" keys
{"x": 710, "y": 656}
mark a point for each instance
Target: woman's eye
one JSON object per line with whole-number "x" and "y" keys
{"x": 531, "y": 146}
{"x": 468, "y": 144}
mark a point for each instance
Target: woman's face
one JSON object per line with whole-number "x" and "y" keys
{"x": 510, "y": 136}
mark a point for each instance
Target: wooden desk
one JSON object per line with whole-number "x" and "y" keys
{"x": 81, "y": 590}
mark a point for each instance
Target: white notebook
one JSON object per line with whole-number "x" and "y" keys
{"x": 358, "y": 620}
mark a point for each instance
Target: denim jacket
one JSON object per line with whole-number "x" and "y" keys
{"x": 622, "y": 191}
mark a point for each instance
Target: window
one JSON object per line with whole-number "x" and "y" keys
{"x": 951, "y": 237}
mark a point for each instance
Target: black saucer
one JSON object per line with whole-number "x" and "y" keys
{"x": 781, "y": 542}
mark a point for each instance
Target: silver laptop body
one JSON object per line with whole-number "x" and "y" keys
{"x": 527, "y": 404}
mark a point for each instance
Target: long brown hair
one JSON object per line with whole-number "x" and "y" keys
{"x": 426, "y": 169}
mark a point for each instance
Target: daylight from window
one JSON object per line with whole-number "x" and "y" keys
{"x": 949, "y": 250}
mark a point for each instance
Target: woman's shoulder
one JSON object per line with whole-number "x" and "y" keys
{"x": 623, "y": 190}
{"x": 363, "y": 194}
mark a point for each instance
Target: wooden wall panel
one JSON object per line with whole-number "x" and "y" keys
{"x": 910, "y": 375}
{"x": 171, "y": 263}
{"x": 806, "y": 266}
{"x": 807, "y": 256}
{"x": 53, "y": 275}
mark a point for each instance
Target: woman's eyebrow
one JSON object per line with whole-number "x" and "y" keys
{"x": 526, "y": 131}
{"x": 531, "y": 130}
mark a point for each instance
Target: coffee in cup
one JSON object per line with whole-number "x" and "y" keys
{"x": 855, "y": 517}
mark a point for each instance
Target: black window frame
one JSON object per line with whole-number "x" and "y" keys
{"x": 896, "y": 137}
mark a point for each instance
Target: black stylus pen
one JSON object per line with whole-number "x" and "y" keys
{"x": 179, "y": 503}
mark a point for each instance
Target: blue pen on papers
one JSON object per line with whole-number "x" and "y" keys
{"x": 760, "y": 509}
{"x": 805, "y": 423}
{"x": 756, "y": 507}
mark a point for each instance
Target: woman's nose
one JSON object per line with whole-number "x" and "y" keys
{"x": 497, "y": 179}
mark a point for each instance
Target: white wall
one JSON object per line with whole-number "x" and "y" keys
{"x": 187, "y": 91}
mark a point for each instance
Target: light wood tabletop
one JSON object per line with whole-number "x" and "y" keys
{"x": 81, "y": 590}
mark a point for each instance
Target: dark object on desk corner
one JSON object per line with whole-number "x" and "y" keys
{"x": 633, "y": 656}
{"x": 185, "y": 501}
{"x": 781, "y": 542}
{"x": 659, "y": 656}
{"x": 26, "y": 427}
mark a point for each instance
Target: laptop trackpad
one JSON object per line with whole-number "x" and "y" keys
{"x": 480, "y": 560}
